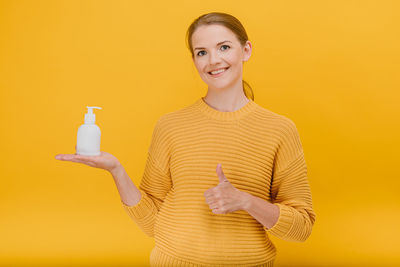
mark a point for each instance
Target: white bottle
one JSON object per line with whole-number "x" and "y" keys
{"x": 88, "y": 141}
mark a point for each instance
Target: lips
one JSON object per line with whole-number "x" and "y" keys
{"x": 217, "y": 70}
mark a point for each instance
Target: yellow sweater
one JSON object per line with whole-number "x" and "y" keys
{"x": 261, "y": 154}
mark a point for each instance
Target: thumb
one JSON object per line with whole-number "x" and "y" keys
{"x": 221, "y": 176}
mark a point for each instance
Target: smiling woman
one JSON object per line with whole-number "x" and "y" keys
{"x": 223, "y": 172}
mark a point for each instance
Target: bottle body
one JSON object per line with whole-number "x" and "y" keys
{"x": 88, "y": 140}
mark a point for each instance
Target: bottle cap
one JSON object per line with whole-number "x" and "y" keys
{"x": 90, "y": 117}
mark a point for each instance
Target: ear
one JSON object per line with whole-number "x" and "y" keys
{"x": 247, "y": 51}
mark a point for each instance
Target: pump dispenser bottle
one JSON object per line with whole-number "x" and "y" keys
{"x": 88, "y": 141}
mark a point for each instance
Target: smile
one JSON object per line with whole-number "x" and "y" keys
{"x": 218, "y": 73}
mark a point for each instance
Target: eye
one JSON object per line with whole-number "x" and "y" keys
{"x": 200, "y": 52}
{"x": 226, "y": 46}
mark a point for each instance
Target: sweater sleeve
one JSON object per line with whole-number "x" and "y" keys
{"x": 290, "y": 189}
{"x": 155, "y": 183}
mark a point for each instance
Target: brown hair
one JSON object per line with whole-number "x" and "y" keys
{"x": 229, "y": 22}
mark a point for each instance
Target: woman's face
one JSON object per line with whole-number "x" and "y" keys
{"x": 215, "y": 48}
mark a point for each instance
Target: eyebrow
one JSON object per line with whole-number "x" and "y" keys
{"x": 217, "y": 44}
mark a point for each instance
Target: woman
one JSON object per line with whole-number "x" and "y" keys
{"x": 221, "y": 173}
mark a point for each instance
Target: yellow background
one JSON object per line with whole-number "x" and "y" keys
{"x": 330, "y": 66}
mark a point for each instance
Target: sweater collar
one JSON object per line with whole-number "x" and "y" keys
{"x": 225, "y": 115}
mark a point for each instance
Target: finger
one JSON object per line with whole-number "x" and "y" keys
{"x": 209, "y": 195}
{"x": 83, "y": 162}
{"x": 212, "y": 208}
{"x": 220, "y": 173}
{"x": 212, "y": 201}
{"x": 85, "y": 158}
{"x": 92, "y": 159}
{"x": 74, "y": 158}
{"x": 64, "y": 156}
{"x": 78, "y": 161}
{"x": 216, "y": 211}
{"x": 213, "y": 205}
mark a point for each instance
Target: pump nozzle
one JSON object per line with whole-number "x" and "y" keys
{"x": 90, "y": 117}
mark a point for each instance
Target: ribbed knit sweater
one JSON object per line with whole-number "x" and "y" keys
{"x": 260, "y": 152}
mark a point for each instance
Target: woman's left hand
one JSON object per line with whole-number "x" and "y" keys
{"x": 224, "y": 198}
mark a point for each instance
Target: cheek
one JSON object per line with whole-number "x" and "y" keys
{"x": 200, "y": 66}
{"x": 234, "y": 59}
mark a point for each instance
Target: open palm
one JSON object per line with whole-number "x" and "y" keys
{"x": 104, "y": 161}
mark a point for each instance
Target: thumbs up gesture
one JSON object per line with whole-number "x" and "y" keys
{"x": 224, "y": 198}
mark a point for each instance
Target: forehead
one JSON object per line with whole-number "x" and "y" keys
{"x": 209, "y": 35}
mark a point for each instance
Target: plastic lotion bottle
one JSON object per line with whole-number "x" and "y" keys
{"x": 88, "y": 142}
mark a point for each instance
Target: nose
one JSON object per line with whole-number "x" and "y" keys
{"x": 214, "y": 58}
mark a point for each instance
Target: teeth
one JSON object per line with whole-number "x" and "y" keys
{"x": 218, "y": 71}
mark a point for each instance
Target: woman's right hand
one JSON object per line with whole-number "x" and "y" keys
{"x": 104, "y": 161}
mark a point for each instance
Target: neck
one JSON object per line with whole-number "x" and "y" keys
{"x": 226, "y": 100}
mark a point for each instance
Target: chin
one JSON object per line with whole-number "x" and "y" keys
{"x": 221, "y": 85}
